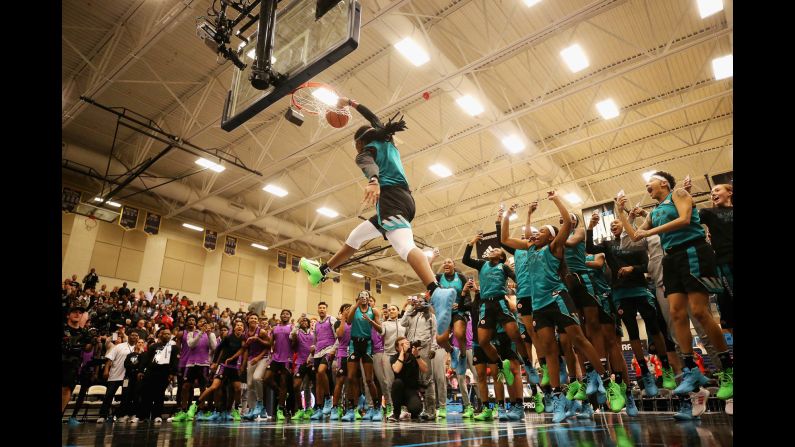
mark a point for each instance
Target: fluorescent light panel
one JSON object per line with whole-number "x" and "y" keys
{"x": 358, "y": 275}
{"x": 608, "y": 109}
{"x": 275, "y": 190}
{"x": 394, "y": 286}
{"x": 573, "y": 198}
{"x": 328, "y": 212}
{"x": 513, "y": 143}
{"x": 440, "y": 170}
{"x": 413, "y": 52}
{"x": 708, "y": 7}
{"x": 530, "y": 3}
{"x": 203, "y": 162}
{"x": 575, "y": 58}
{"x": 470, "y": 105}
{"x": 723, "y": 67}
{"x": 192, "y": 227}
{"x": 261, "y": 247}
{"x": 109, "y": 203}
{"x": 326, "y": 96}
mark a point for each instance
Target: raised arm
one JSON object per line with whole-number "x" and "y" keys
{"x": 576, "y": 238}
{"x": 590, "y": 247}
{"x": 597, "y": 263}
{"x": 505, "y": 238}
{"x": 635, "y": 234}
{"x": 467, "y": 258}
{"x": 558, "y": 244}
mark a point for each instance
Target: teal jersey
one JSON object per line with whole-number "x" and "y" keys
{"x": 600, "y": 282}
{"x": 632, "y": 292}
{"x": 575, "y": 257}
{"x": 492, "y": 281}
{"x": 455, "y": 283}
{"x": 360, "y": 327}
{"x": 547, "y": 284}
{"x": 523, "y": 287}
{"x": 666, "y": 212}
{"x": 390, "y": 167}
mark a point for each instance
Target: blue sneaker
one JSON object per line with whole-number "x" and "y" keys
{"x": 348, "y": 416}
{"x": 648, "y": 384}
{"x": 547, "y": 403}
{"x": 632, "y": 409}
{"x": 454, "y": 359}
{"x": 442, "y": 301}
{"x": 254, "y": 412}
{"x": 378, "y": 415}
{"x": 317, "y": 415}
{"x": 586, "y": 411}
{"x": 558, "y": 408}
{"x": 226, "y": 416}
{"x": 516, "y": 413}
{"x": 571, "y": 408}
{"x": 593, "y": 382}
{"x": 502, "y": 414}
{"x": 335, "y": 414}
{"x": 691, "y": 379}
{"x": 564, "y": 374}
{"x": 73, "y": 422}
{"x": 368, "y": 416}
{"x": 215, "y": 417}
{"x": 327, "y": 406}
{"x": 362, "y": 402}
{"x": 462, "y": 362}
{"x": 685, "y": 411}
{"x": 532, "y": 375}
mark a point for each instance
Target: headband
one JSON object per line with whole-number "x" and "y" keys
{"x": 660, "y": 178}
{"x": 551, "y": 230}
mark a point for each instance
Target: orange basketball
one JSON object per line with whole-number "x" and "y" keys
{"x": 336, "y": 119}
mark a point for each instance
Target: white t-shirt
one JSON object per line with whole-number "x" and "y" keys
{"x": 118, "y": 354}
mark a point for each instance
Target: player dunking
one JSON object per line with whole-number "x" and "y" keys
{"x": 388, "y": 189}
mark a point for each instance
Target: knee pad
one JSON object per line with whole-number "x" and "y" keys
{"x": 402, "y": 241}
{"x": 361, "y": 234}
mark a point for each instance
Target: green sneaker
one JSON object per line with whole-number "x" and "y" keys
{"x": 298, "y": 415}
{"x": 485, "y": 415}
{"x": 574, "y": 389}
{"x": 622, "y": 440}
{"x": 441, "y": 413}
{"x": 468, "y": 413}
{"x": 623, "y": 387}
{"x": 279, "y": 415}
{"x": 726, "y": 380}
{"x": 312, "y": 269}
{"x": 340, "y": 412}
{"x": 615, "y": 398}
{"x": 180, "y": 416}
{"x": 506, "y": 371}
{"x": 581, "y": 392}
{"x": 539, "y": 400}
{"x": 308, "y": 414}
{"x": 357, "y": 416}
{"x": 389, "y": 410}
{"x": 669, "y": 378}
{"x": 544, "y": 375}
{"x": 192, "y": 411}
{"x": 236, "y": 415}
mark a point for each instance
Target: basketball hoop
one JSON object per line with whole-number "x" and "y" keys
{"x": 91, "y": 222}
{"x": 317, "y": 98}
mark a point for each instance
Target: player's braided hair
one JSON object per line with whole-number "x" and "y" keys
{"x": 367, "y": 134}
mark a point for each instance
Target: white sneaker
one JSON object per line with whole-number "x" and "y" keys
{"x": 134, "y": 420}
{"x": 101, "y": 421}
{"x": 699, "y": 400}
{"x": 265, "y": 418}
{"x": 123, "y": 419}
{"x": 158, "y": 420}
{"x": 405, "y": 415}
{"x": 730, "y": 406}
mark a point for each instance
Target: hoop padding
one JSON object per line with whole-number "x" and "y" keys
{"x": 302, "y": 99}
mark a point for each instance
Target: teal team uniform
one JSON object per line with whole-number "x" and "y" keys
{"x": 395, "y": 208}
{"x": 524, "y": 294}
{"x": 456, "y": 283}
{"x": 552, "y": 306}
{"x": 689, "y": 264}
{"x": 361, "y": 346}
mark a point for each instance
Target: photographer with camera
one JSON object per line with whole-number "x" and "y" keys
{"x": 76, "y": 340}
{"x": 420, "y": 324}
{"x": 408, "y": 367}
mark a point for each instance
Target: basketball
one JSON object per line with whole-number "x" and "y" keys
{"x": 336, "y": 119}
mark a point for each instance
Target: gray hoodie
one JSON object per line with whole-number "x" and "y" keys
{"x": 419, "y": 326}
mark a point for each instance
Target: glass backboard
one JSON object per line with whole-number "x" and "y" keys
{"x": 303, "y": 47}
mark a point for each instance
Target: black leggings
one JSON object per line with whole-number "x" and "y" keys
{"x": 628, "y": 308}
{"x": 670, "y": 346}
{"x": 401, "y": 395}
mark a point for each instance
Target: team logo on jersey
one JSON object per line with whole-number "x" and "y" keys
{"x": 353, "y": 356}
{"x": 519, "y": 306}
{"x": 534, "y": 323}
{"x": 483, "y": 321}
{"x": 667, "y": 201}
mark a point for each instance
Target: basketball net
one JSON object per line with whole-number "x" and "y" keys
{"x": 313, "y": 98}
{"x": 91, "y": 222}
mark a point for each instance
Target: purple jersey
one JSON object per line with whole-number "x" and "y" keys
{"x": 342, "y": 349}
{"x": 324, "y": 331}
{"x": 183, "y": 350}
{"x": 305, "y": 342}
{"x": 254, "y": 348}
{"x": 199, "y": 355}
{"x": 469, "y": 337}
{"x": 282, "y": 348}
{"x": 378, "y": 341}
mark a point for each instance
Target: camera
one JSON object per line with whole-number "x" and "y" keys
{"x": 416, "y": 344}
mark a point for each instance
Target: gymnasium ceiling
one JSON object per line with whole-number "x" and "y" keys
{"x": 652, "y": 57}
